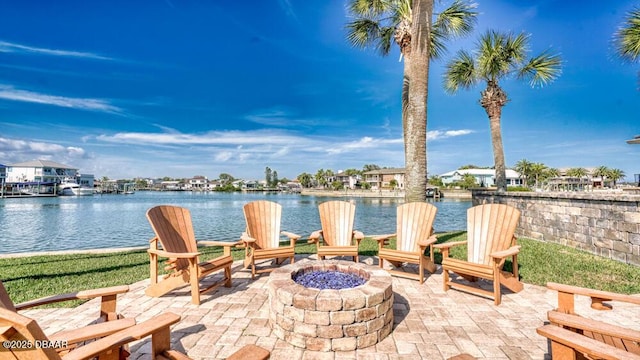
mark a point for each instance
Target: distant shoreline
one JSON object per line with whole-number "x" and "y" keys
{"x": 397, "y": 194}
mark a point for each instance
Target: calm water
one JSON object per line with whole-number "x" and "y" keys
{"x": 106, "y": 221}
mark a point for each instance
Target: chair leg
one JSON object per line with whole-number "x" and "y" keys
{"x": 496, "y": 288}
{"x": 445, "y": 279}
{"x": 194, "y": 281}
{"x": 381, "y": 262}
{"x": 292, "y": 259}
{"x": 227, "y": 275}
{"x": 421, "y": 270}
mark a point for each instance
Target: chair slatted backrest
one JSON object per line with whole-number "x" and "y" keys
{"x": 263, "y": 223}
{"x": 173, "y": 227}
{"x": 414, "y": 223}
{"x": 15, "y": 327}
{"x": 336, "y": 218}
{"x": 490, "y": 228}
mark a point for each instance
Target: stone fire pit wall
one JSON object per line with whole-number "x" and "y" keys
{"x": 331, "y": 320}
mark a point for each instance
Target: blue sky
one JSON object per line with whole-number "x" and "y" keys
{"x": 183, "y": 88}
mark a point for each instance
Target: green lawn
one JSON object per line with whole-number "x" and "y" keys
{"x": 32, "y": 277}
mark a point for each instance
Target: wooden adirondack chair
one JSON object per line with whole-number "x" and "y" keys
{"x": 574, "y": 336}
{"x": 107, "y": 323}
{"x": 490, "y": 240}
{"x": 338, "y": 236}
{"x": 262, "y": 235}
{"x": 23, "y": 339}
{"x": 174, "y": 230}
{"x": 414, "y": 235}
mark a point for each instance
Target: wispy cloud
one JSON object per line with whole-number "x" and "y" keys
{"x": 279, "y": 116}
{"x": 439, "y": 134}
{"x": 262, "y": 137}
{"x": 366, "y": 142}
{"x": 13, "y": 150}
{"x": 8, "y": 47}
{"x": 10, "y": 93}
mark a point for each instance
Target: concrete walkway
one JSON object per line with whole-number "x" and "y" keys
{"x": 429, "y": 323}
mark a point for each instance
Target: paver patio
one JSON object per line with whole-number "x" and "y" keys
{"x": 429, "y": 323}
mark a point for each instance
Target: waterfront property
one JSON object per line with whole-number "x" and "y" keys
{"x": 41, "y": 178}
{"x": 483, "y": 177}
{"x": 390, "y": 178}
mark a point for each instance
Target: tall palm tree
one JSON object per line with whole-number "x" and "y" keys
{"x": 499, "y": 56}
{"x": 615, "y": 175}
{"x": 524, "y": 168}
{"x": 410, "y": 25}
{"x": 538, "y": 170}
{"x": 627, "y": 38}
{"x": 602, "y": 172}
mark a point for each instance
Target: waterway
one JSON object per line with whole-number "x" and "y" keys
{"x": 115, "y": 221}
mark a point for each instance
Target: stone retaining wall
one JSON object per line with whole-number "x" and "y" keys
{"x": 606, "y": 224}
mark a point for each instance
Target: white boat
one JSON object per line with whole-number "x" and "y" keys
{"x": 73, "y": 189}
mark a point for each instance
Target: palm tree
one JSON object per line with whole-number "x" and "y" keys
{"x": 305, "y": 179}
{"x": 538, "y": 170}
{"x": 602, "y": 172}
{"x": 409, "y": 24}
{"x": 627, "y": 38}
{"x": 615, "y": 175}
{"x": 577, "y": 172}
{"x": 524, "y": 168}
{"x": 497, "y": 57}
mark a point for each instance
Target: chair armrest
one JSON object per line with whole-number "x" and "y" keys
{"x": 246, "y": 238}
{"x": 358, "y": 235}
{"x": 514, "y": 250}
{"x": 114, "y": 341}
{"x": 426, "y": 242}
{"x": 582, "y": 344}
{"x": 173, "y": 255}
{"x": 290, "y": 235}
{"x": 449, "y": 245}
{"x": 219, "y": 243}
{"x": 91, "y": 332}
{"x": 84, "y": 294}
{"x": 597, "y": 296}
{"x": 379, "y": 238}
{"x": 314, "y": 237}
{"x": 593, "y": 326}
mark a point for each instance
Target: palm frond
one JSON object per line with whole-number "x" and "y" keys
{"x": 515, "y": 48}
{"x": 437, "y": 47}
{"x": 363, "y": 32}
{"x": 368, "y": 8}
{"x": 491, "y": 56}
{"x": 460, "y": 73}
{"x": 400, "y": 11}
{"x": 627, "y": 38}
{"x": 458, "y": 19}
{"x": 385, "y": 40}
{"x": 541, "y": 69}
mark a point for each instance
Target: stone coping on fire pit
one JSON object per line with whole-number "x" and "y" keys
{"x": 331, "y": 320}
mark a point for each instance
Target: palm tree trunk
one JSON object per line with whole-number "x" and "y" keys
{"x": 492, "y": 100}
{"x": 415, "y": 120}
{"x": 498, "y": 154}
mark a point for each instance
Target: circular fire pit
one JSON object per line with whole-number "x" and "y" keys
{"x": 331, "y": 319}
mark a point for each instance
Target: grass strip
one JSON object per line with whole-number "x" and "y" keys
{"x": 32, "y": 277}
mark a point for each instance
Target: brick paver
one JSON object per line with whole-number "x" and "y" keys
{"x": 429, "y": 323}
